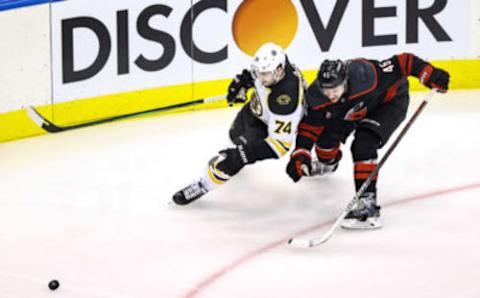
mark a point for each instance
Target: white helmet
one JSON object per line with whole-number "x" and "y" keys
{"x": 267, "y": 59}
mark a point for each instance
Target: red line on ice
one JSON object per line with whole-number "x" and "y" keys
{"x": 210, "y": 279}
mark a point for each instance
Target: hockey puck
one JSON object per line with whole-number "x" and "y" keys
{"x": 53, "y": 285}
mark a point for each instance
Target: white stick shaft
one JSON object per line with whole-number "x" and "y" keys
{"x": 215, "y": 98}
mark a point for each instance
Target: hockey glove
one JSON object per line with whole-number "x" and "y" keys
{"x": 234, "y": 160}
{"x": 435, "y": 78}
{"x": 299, "y": 164}
{"x": 237, "y": 90}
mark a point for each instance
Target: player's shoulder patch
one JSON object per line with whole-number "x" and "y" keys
{"x": 285, "y": 96}
{"x": 282, "y": 104}
{"x": 362, "y": 77}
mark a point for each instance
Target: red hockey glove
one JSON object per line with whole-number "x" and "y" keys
{"x": 300, "y": 164}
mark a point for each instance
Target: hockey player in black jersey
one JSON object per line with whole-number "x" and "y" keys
{"x": 368, "y": 98}
{"x": 264, "y": 128}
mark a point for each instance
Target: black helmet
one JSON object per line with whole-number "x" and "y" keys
{"x": 332, "y": 73}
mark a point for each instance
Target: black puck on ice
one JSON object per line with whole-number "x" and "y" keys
{"x": 53, "y": 285}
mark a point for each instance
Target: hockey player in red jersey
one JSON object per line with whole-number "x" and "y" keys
{"x": 265, "y": 128}
{"x": 368, "y": 98}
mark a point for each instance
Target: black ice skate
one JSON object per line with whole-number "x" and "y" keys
{"x": 189, "y": 194}
{"x": 364, "y": 217}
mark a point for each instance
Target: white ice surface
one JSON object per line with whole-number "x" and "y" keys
{"x": 90, "y": 208}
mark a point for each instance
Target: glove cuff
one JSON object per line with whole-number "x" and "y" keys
{"x": 301, "y": 152}
{"x": 425, "y": 75}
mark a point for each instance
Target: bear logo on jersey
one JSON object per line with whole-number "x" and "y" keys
{"x": 284, "y": 100}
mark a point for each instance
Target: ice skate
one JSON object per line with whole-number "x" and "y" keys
{"x": 189, "y": 194}
{"x": 365, "y": 216}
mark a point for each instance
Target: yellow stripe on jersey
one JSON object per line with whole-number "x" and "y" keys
{"x": 285, "y": 145}
{"x": 280, "y": 148}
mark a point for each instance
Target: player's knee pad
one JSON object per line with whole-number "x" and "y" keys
{"x": 365, "y": 145}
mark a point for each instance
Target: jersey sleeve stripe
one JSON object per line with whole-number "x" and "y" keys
{"x": 276, "y": 147}
{"x": 410, "y": 61}
{"x": 308, "y": 135}
{"x": 317, "y": 130}
{"x": 285, "y": 145}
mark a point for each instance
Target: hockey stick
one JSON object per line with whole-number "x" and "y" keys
{"x": 51, "y": 127}
{"x": 353, "y": 203}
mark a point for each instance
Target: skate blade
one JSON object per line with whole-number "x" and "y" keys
{"x": 371, "y": 223}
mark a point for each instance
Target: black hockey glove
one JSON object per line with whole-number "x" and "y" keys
{"x": 237, "y": 90}
{"x": 435, "y": 78}
{"x": 234, "y": 160}
{"x": 300, "y": 164}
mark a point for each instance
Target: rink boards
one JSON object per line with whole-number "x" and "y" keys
{"x": 92, "y": 62}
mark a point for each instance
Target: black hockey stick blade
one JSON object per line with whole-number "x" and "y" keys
{"x": 51, "y": 127}
{"x": 41, "y": 121}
